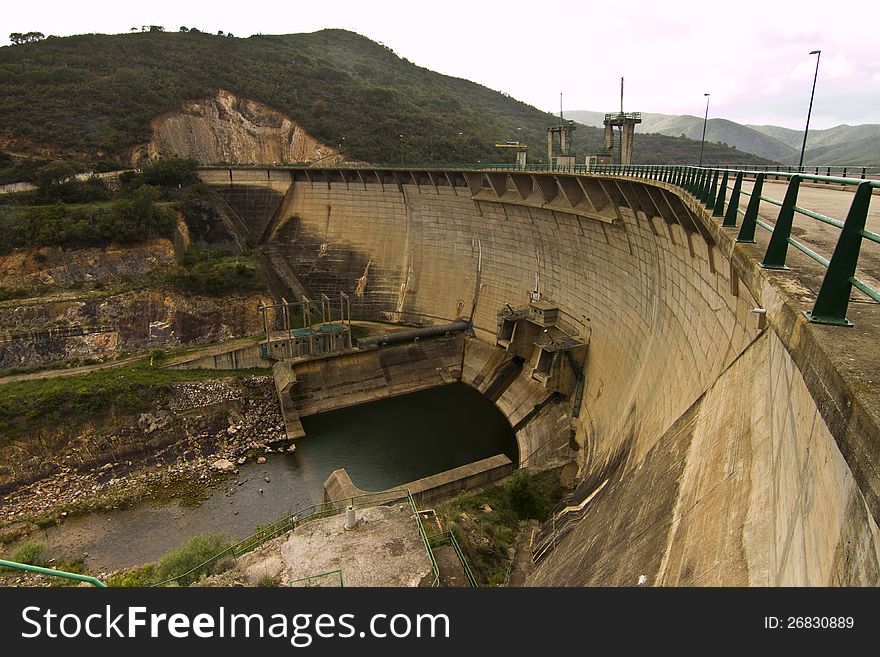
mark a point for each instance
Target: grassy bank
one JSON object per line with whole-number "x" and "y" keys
{"x": 27, "y": 407}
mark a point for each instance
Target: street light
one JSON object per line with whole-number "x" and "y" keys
{"x": 705, "y": 120}
{"x": 818, "y": 54}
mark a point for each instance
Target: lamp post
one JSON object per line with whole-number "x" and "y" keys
{"x": 818, "y": 54}
{"x": 461, "y": 146}
{"x": 705, "y": 121}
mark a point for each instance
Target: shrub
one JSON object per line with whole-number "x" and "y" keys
{"x": 196, "y": 552}
{"x": 269, "y": 581}
{"x": 7, "y": 293}
{"x": 214, "y": 272}
{"x": 170, "y": 172}
{"x": 32, "y": 552}
{"x": 520, "y": 494}
{"x": 138, "y": 576}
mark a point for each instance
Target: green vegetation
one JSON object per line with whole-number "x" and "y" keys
{"x": 195, "y": 552}
{"x": 269, "y": 581}
{"x": 660, "y": 149}
{"x": 32, "y": 552}
{"x": 170, "y": 172}
{"x": 71, "y": 212}
{"x": 7, "y": 293}
{"x": 189, "y": 557}
{"x": 486, "y": 525}
{"x": 94, "y": 96}
{"x": 125, "y": 221}
{"x": 27, "y": 407}
{"x": 19, "y": 169}
{"x": 138, "y": 576}
{"x": 216, "y": 272}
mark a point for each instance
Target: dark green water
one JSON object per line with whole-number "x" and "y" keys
{"x": 392, "y": 441}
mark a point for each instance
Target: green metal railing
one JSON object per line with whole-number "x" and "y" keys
{"x": 315, "y": 512}
{"x": 331, "y": 574}
{"x": 448, "y": 537}
{"x": 709, "y": 186}
{"x": 94, "y": 581}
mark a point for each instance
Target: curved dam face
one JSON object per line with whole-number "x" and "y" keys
{"x": 704, "y": 456}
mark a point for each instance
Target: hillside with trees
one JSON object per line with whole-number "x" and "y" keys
{"x": 92, "y": 97}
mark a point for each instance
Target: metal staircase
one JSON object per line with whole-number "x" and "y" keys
{"x": 579, "y": 388}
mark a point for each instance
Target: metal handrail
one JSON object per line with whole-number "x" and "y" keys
{"x": 94, "y": 581}
{"x": 449, "y": 537}
{"x": 840, "y": 277}
{"x": 338, "y": 572}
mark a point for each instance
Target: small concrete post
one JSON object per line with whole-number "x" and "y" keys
{"x": 350, "y": 518}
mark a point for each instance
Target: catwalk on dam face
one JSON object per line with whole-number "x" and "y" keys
{"x": 389, "y": 442}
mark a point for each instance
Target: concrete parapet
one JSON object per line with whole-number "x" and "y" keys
{"x": 339, "y": 485}
{"x": 238, "y": 358}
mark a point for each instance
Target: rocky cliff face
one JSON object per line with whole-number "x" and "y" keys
{"x": 232, "y": 130}
{"x": 39, "y": 332}
{"x": 58, "y": 267}
{"x": 89, "y": 323}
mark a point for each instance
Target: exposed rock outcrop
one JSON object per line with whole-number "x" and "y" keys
{"x": 42, "y": 331}
{"x": 59, "y": 267}
{"x": 233, "y": 130}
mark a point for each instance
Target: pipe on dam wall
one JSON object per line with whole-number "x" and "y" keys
{"x": 724, "y": 462}
{"x": 399, "y": 337}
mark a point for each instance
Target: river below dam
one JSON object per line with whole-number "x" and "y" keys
{"x": 382, "y": 444}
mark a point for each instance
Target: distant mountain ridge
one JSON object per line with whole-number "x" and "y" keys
{"x": 841, "y": 145}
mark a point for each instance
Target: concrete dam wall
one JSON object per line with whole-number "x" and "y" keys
{"x": 705, "y": 452}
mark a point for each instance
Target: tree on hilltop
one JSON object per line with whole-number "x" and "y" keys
{"x": 18, "y": 38}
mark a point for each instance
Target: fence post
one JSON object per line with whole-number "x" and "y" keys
{"x": 833, "y": 299}
{"x": 747, "y": 230}
{"x": 778, "y": 247}
{"x": 718, "y": 211}
{"x": 733, "y": 208}
{"x": 712, "y": 191}
{"x": 705, "y": 186}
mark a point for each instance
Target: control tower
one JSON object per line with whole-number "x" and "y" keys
{"x": 559, "y": 142}
{"x": 626, "y": 121}
{"x": 520, "y": 149}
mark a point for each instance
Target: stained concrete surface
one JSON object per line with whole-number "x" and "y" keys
{"x": 386, "y": 549}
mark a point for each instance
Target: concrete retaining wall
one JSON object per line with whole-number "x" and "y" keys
{"x": 339, "y": 485}
{"x": 355, "y": 378}
{"x": 235, "y": 359}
